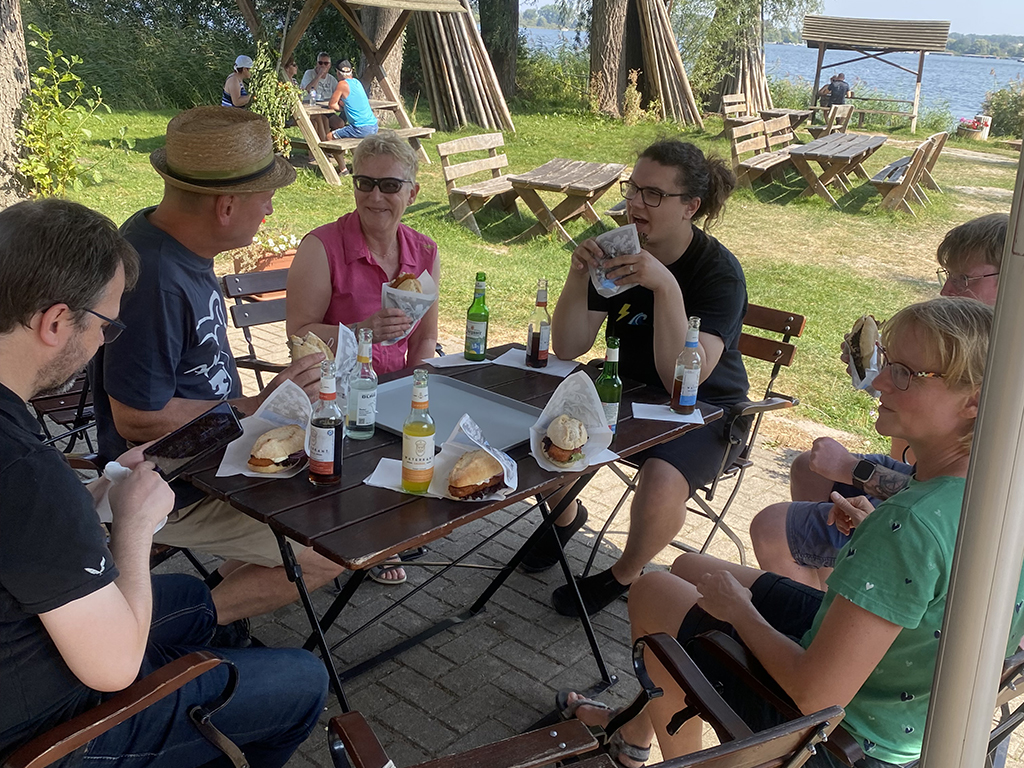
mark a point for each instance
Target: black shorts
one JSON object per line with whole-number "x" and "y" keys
{"x": 789, "y": 607}
{"x": 697, "y": 455}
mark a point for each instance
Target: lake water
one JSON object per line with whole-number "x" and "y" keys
{"x": 958, "y": 83}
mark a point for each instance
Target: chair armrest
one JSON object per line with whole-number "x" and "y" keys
{"x": 741, "y": 662}
{"x": 65, "y": 738}
{"x": 251, "y": 364}
{"x": 353, "y": 743}
{"x": 750, "y": 408}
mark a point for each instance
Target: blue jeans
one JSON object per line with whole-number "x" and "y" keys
{"x": 355, "y": 131}
{"x": 279, "y": 698}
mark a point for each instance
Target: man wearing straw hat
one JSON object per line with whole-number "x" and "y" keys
{"x": 173, "y": 361}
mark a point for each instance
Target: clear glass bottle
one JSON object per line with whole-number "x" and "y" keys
{"x": 326, "y": 431}
{"x": 687, "y": 378}
{"x": 362, "y": 391}
{"x": 418, "y": 439}
{"x": 538, "y": 333}
{"x": 476, "y": 321}
{"x": 609, "y": 385}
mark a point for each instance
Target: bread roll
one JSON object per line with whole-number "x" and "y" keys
{"x": 309, "y": 345}
{"x": 277, "y": 449}
{"x": 476, "y": 473}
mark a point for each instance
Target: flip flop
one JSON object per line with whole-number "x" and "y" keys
{"x": 567, "y": 711}
{"x": 376, "y": 573}
{"x": 614, "y": 745}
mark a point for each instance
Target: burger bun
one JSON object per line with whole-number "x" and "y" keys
{"x": 407, "y": 282}
{"x": 475, "y": 475}
{"x": 564, "y": 440}
{"x": 309, "y": 345}
{"x": 274, "y": 451}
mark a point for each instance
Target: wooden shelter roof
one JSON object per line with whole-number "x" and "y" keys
{"x": 443, "y": 6}
{"x": 839, "y": 33}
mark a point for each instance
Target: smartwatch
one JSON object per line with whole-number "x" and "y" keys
{"x": 862, "y": 473}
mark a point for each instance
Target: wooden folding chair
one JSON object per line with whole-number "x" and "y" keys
{"x": 247, "y": 312}
{"x": 72, "y": 411}
{"x": 777, "y": 351}
{"x": 837, "y": 121}
{"x": 62, "y": 740}
{"x": 735, "y": 110}
{"x": 901, "y": 179}
{"x": 465, "y": 199}
{"x": 353, "y": 743}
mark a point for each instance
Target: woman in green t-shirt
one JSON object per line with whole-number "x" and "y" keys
{"x": 868, "y": 644}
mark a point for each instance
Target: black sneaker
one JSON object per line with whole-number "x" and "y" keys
{"x": 233, "y": 635}
{"x": 544, "y": 554}
{"x": 598, "y": 592}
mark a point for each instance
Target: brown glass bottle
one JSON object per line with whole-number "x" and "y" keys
{"x": 538, "y": 333}
{"x": 327, "y": 432}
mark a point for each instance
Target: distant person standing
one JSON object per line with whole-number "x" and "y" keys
{"x": 351, "y": 97}
{"x": 235, "y": 94}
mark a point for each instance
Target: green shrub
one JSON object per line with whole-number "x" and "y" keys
{"x": 1006, "y": 106}
{"x": 552, "y": 80}
{"x": 790, "y": 94}
{"x": 271, "y": 97}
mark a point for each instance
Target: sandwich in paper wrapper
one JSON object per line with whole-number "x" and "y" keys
{"x": 616, "y": 242}
{"x": 573, "y": 414}
{"x": 863, "y": 343}
{"x": 468, "y": 445}
{"x": 287, "y": 404}
{"x": 415, "y": 303}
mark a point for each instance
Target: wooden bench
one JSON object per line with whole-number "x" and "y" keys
{"x": 735, "y": 111}
{"x": 339, "y": 148}
{"x": 768, "y": 141}
{"x": 468, "y": 198}
{"x": 837, "y": 121}
{"x": 901, "y": 179}
{"x": 893, "y": 174}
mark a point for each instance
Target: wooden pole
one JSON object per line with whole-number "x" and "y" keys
{"x": 917, "y": 92}
{"x": 428, "y": 73}
{"x": 688, "y": 98}
{"x": 481, "y": 50}
{"x": 252, "y": 20}
{"x": 817, "y": 76}
{"x": 650, "y": 57}
{"x": 309, "y": 11}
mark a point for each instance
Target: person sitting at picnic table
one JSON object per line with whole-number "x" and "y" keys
{"x": 339, "y": 268}
{"x": 291, "y": 69}
{"x": 235, "y": 94}
{"x": 350, "y": 96}
{"x": 319, "y": 81}
{"x": 795, "y": 538}
{"x": 869, "y": 643}
{"x": 838, "y": 90}
{"x": 680, "y": 271}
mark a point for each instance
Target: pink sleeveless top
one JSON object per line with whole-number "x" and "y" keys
{"x": 356, "y": 278}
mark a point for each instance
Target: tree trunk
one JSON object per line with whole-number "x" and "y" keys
{"x": 378, "y": 22}
{"x": 607, "y": 63}
{"x": 499, "y": 28}
{"x": 13, "y": 87}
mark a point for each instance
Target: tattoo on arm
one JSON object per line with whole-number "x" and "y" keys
{"x": 885, "y": 483}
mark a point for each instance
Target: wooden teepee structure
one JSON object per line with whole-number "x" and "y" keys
{"x": 666, "y": 76}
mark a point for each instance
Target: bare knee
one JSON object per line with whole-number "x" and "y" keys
{"x": 658, "y": 601}
{"x": 768, "y": 528}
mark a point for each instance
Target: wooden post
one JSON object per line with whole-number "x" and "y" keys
{"x": 251, "y": 19}
{"x": 817, "y": 77}
{"x": 917, "y": 92}
{"x": 309, "y": 11}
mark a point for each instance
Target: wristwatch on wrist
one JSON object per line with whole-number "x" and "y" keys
{"x": 862, "y": 473}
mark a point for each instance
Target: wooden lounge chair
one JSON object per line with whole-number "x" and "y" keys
{"x": 735, "y": 110}
{"x": 354, "y": 745}
{"x": 465, "y": 199}
{"x": 752, "y": 155}
{"x": 900, "y": 180}
{"x": 837, "y": 121}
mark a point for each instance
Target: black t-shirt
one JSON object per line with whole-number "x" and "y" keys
{"x": 175, "y": 343}
{"x": 714, "y": 290}
{"x": 52, "y": 551}
{"x": 838, "y": 90}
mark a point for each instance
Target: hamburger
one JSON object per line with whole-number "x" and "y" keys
{"x": 278, "y": 449}
{"x": 863, "y": 339}
{"x": 407, "y": 282}
{"x": 310, "y": 345}
{"x": 475, "y": 475}
{"x": 564, "y": 440}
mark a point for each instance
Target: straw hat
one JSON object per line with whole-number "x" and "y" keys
{"x": 221, "y": 151}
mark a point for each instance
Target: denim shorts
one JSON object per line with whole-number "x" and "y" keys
{"x": 812, "y": 541}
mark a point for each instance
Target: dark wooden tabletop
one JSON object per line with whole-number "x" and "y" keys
{"x": 570, "y": 176}
{"x": 358, "y": 525}
{"x": 838, "y": 146}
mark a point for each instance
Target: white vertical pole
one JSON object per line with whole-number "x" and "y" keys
{"x": 990, "y": 545}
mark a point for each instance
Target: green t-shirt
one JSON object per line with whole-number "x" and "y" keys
{"x": 897, "y": 566}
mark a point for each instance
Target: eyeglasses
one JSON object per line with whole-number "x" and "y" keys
{"x": 324, "y": 62}
{"x": 652, "y": 197}
{"x": 112, "y": 329}
{"x": 958, "y": 281}
{"x": 389, "y": 186}
{"x": 902, "y": 375}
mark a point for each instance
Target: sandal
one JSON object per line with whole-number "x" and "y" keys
{"x": 379, "y": 573}
{"x": 567, "y": 711}
{"x": 615, "y": 745}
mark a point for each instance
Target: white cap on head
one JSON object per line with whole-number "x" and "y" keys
{"x": 243, "y": 61}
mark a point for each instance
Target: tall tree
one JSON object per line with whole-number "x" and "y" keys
{"x": 14, "y": 83}
{"x": 499, "y": 28}
{"x": 607, "y": 62}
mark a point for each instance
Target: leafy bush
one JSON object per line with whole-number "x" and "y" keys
{"x": 790, "y": 94}
{"x": 552, "y": 79}
{"x": 55, "y": 113}
{"x": 271, "y": 97}
{"x": 1006, "y": 106}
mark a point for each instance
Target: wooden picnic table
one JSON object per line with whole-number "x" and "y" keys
{"x": 360, "y": 526}
{"x": 839, "y": 155}
{"x": 581, "y": 182}
{"x": 796, "y": 116}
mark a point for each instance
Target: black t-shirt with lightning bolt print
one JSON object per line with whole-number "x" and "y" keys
{"x": 714, "y": 290}
{"x": 52, "y": 551}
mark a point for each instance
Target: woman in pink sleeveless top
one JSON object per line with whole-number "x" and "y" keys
{"x": 339, "y": 268}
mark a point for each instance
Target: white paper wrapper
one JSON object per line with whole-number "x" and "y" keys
{"x": 415, "y": 305}
{"x": 870, "y": 372}
{"x": 345, "y": 363}
{"x": 516, "y": 358}
{"x": 288, "y": 404}
{"x": 616, "y": 242}
{"x": 575, "y": 397}
{"x": 664, "y": 413}
{"x": 465, "y": 437}
{"x": 452, "y": 361}
{"x": 115, "y": 473}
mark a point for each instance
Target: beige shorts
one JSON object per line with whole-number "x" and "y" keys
{"x": 216, "y": 528}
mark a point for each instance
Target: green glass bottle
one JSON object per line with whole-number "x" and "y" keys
{"x": 476, "y": 321}
{"x": 609, "y": 385}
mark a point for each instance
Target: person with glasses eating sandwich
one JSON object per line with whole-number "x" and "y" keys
{"x": 680, "y": 271}
{"x": 795, "y": 538}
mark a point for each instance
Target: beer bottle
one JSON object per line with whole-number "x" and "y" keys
{"x": 609, "y": 385}
{"x": 326, "y": 431}
{"x": 476, "y": 321}
{"x": 538, "y": 333}
{"x": 687, "y": 378}
{"x": 362, "y": 391}
{"x": 418, "y": 439}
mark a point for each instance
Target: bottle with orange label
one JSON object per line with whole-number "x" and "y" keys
{"x": 418, "y": 439}
{"x": 326, "y": 431}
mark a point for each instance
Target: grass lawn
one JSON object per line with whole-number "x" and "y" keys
{"x": 798, "y": 253}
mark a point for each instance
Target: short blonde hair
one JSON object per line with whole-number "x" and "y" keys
{"x": 387, "y": 143}
{"x": 974, "y": 243}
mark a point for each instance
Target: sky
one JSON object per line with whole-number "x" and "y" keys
{"x": 986, "y": 17}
